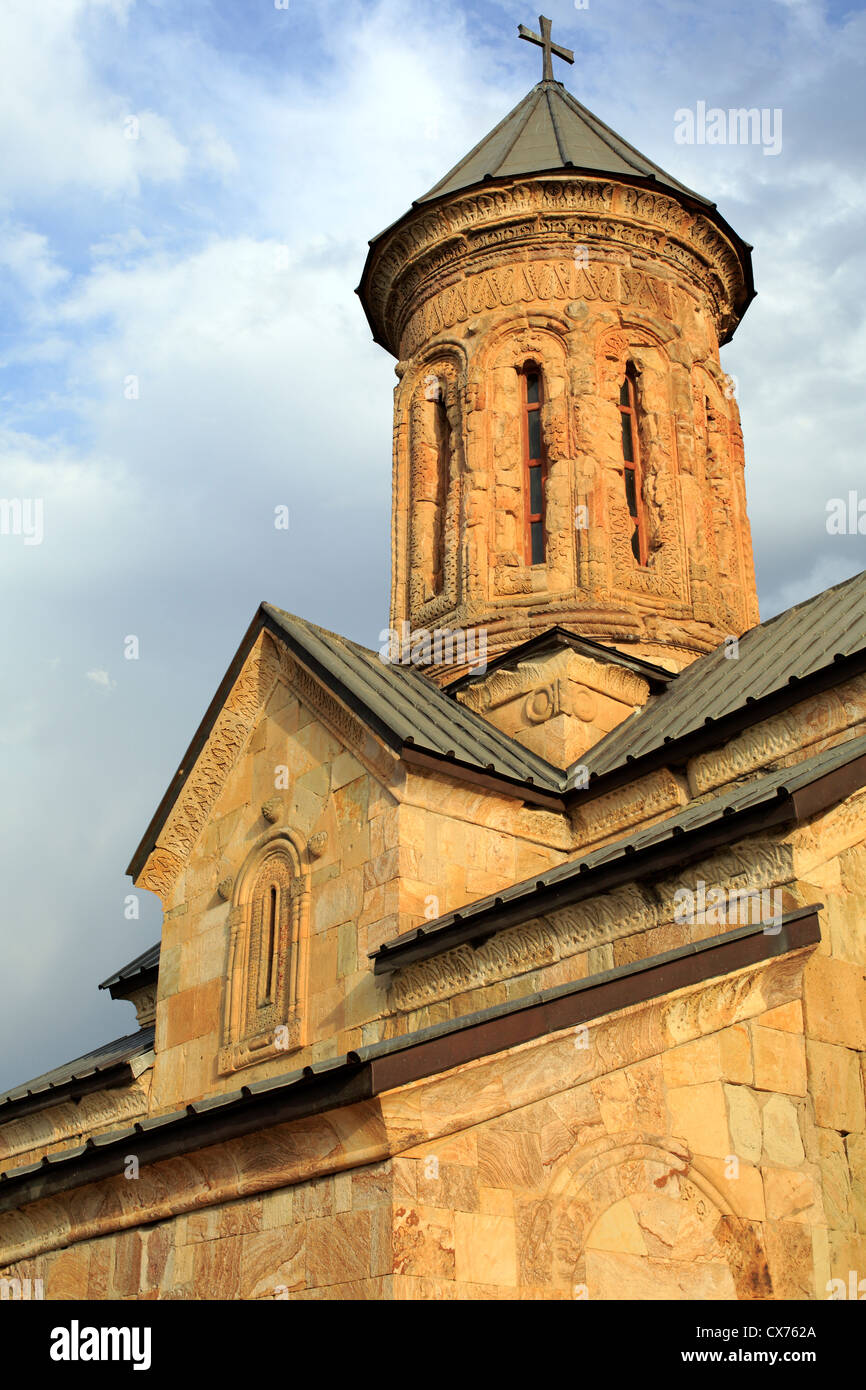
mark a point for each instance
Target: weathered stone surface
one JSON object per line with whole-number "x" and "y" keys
{"x": 780, "y": 1061}
{"x": 835, "y": 1001}
{"x": 836, "y": 1085}
{"x": 626, "y": 1276}
{"x": 782, "y": 1139}
{"x": 485, "y": 1249}
{"x": 423, "y": 1242}
{"x": 791, "y": 1196}
{"x": 746, "y": 1125}
{"x": 338, "y": 1249}
{"x": 855, "y": 1148}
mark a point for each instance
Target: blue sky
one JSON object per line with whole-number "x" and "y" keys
{"x": 214, "y": 259}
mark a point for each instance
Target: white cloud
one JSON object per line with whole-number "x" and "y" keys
{"x": 27, "y": 256}
{"x": 103, "y": 680}
{"x": 61, "y": 125}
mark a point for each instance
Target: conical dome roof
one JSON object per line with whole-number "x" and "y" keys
{"x": 548, "y": 133}
{"x": 550, "y": 130}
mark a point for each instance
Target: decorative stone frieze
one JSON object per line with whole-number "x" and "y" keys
{"x": 783, "y": 740}
{"x": 558, "y": 704}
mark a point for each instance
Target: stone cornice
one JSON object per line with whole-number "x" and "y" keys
{"x": 542, "y": 941}
{"x": 804, "y": 729}
{"x": 35, "y": 1134}
{"x": 365, "y": 1112}
{"x": 441, "y": 246}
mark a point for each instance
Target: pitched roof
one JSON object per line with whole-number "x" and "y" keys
{"x": 142, "y": 965}
{"x": 781, "y": 796}
{"x": 407, "y": 709}
{"x": 87, "y": 1069}
{"x": 820, "y": 640}
{"x": 774, "y": 657}
{"x": 563, "y": 637}
{"x": 411, "y": 715}
{"x": 550, "y": 129}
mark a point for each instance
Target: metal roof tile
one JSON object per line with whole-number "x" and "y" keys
{"x": 548, "y": 130}
{"x": 761, "y": 790}
{"x": 415, "y": 710}
{"x": 789, "y": 647}
{"x": 120, "y": 1050}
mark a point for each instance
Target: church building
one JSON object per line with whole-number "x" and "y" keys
{"x": 524, "y": 957}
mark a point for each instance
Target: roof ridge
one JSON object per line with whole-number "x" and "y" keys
{"x": 476, "y": 149}
{"x": 805, "y": 602}
{"x": 521, "y": 126}
{"x": 609, "y": 136}
{"x": 559, "y": 145}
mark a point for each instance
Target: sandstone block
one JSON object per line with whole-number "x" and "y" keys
{"x": 855, "y": 1147}
{"x": 780, "y": 1061}
{"x": 834, "y": 993}
{"x": 615, "y": 1277}
{"x": 783, "y": 1143}
{"x": 791, "y": 1195}
{"x": 423, "y": 1242}
{"x": 485, "y": 1249}
{"x": 338, "y": 1248}
{"x": 836, "y": 1086}
{"x": 698, "y": 1116}
{"x": 746, "y": 1126}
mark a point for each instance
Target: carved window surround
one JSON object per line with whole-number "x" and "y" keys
{"x": 266, "y": 980}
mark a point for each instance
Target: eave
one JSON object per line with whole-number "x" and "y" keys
{"x": 741, "y": 248}
{"x": 769, "y": 804}
{"x": 381, "y": 1067}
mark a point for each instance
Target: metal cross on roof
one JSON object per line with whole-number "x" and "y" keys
{"x": 544, "y": 41}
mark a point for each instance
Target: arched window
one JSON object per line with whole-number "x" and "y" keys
{"x": 267, "y": 958}
{"x": 442, "y": 432}
{"x": 269, "y": 943}
{"x": 431, "y": 447}
{"x": 631, "y": 463}
{"x": 534, "y": 464}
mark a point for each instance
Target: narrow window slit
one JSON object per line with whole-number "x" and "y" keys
{"x": 534, "y": 467}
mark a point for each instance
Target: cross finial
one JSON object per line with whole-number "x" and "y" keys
{"x": 544, "y": 41}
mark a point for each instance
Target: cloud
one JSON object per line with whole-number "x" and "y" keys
{"x": 61, "y": 123}
{"x": 102, "y": 680}
{"x": 27, "y": 257}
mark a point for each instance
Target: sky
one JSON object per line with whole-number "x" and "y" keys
{"x": 186, "y": 197}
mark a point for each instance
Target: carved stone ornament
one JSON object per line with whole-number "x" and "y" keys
{"x": 317, "y": 844}
{"x": 272, "y": 808}
{"x": 224, "y": 888}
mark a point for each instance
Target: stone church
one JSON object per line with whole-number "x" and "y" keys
{"x": 524, "y": 957}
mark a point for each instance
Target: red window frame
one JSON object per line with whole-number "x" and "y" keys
{"x": 628, "y": 410}
{"x": 533, "y": 519}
